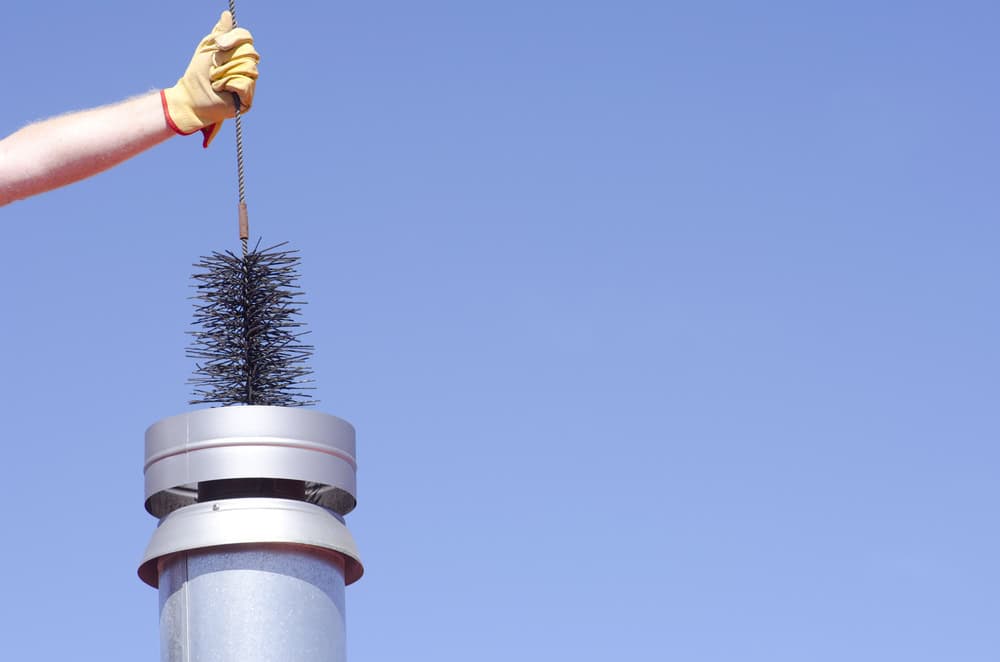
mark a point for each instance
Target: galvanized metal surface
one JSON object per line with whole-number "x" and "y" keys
{"x": 252, "y": 521}
{"x": 264, "y": 604}
{"x": 250, "y": 442}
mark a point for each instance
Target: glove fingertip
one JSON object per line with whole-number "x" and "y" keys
{"x": 225, "y": 23}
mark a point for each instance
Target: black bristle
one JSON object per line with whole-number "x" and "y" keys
{"x": 247, "y": 341}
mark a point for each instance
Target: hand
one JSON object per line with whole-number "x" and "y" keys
{"x": 225, "y": 63}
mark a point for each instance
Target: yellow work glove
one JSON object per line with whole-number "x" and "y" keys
{"x": 225, "y": 63}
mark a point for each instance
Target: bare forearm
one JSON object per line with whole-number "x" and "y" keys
{"x": 68, "y": 148}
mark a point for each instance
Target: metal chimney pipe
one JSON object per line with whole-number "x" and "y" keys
{"x": 251, "y": 554}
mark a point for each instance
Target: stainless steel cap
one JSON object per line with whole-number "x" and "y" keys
{"x": 250, "y": 442}
{"x": 252, "y": 521}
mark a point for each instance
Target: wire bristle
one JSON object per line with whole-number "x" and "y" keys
{"x": 248, "y": 344}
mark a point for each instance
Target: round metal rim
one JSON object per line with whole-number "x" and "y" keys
{"x": 249, "y": 442}
{"x": 247, "y": 522}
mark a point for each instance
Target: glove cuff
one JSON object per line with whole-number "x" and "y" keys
{"x": 182, "y": 123}
{"x": 209, "y": 132}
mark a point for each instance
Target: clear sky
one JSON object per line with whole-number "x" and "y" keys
{"x": 669, "y": 329}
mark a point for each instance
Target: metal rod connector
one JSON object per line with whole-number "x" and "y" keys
{"x": 244, "y": 222}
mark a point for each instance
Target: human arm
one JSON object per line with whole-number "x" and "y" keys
{"x": 67, "y": 148}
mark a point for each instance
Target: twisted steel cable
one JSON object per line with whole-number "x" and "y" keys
{"x": 243, "y": 217}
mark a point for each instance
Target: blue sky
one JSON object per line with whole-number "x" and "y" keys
{"x": 669, "y": 330}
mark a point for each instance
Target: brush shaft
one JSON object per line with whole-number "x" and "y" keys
{"x": 241, "y": 180}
